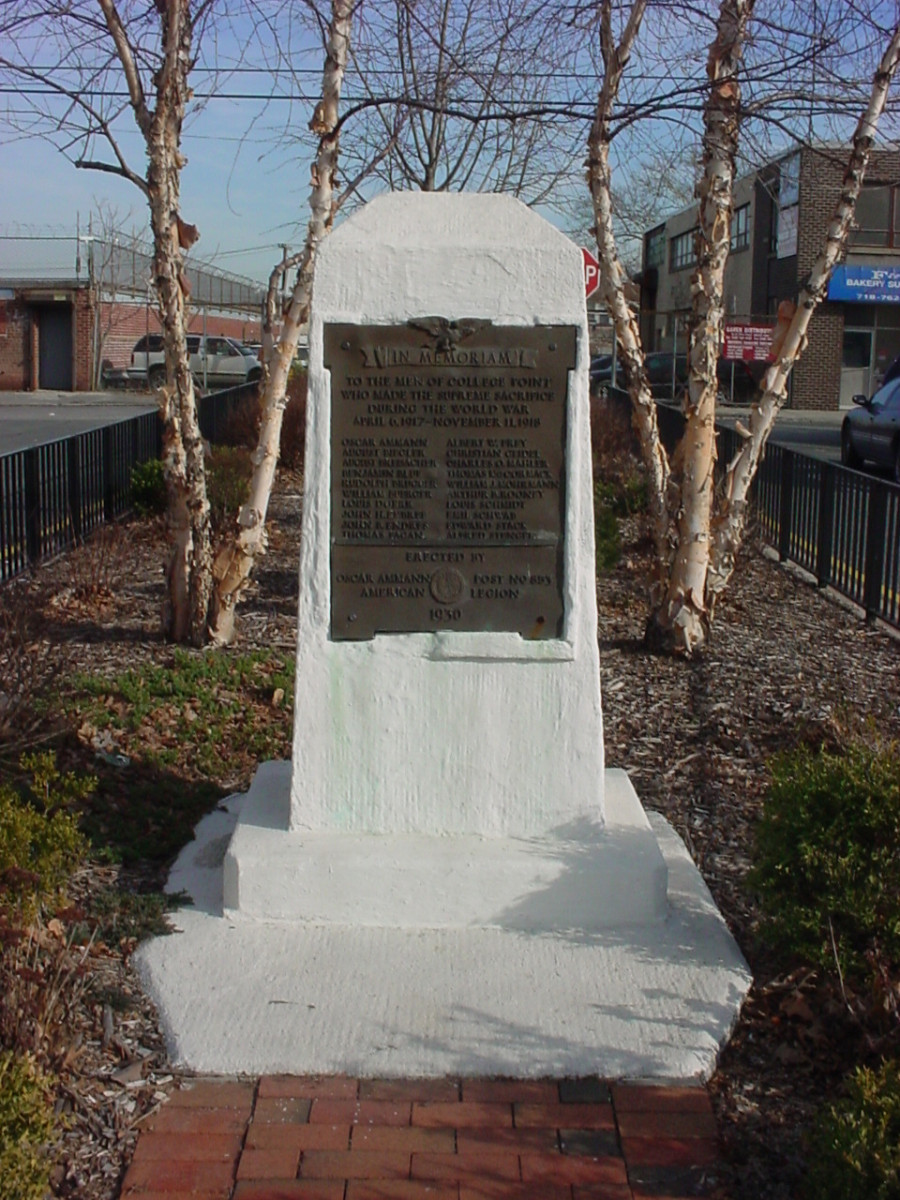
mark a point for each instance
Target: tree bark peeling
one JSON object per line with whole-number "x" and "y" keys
{"x": 234, "y": 563}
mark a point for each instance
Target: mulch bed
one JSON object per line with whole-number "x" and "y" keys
{"x": 786, "y": 663}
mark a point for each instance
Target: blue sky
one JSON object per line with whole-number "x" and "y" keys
{"x": 245, "y": 193}
{"x": 244, "y": 187}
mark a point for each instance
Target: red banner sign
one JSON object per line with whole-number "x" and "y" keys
{"x": 750, "y": 343}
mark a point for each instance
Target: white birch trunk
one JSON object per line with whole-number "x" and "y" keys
{"x": 682, "y": 618}
{"x": 728, "y": 526}
{"x": 613, "y": 279}
{"x": 189, "y": 566}
{"x": 235, "y": 561}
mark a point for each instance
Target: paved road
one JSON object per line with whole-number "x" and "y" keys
{"x": 30, "y": 418}
{"x": 816, "y": 433}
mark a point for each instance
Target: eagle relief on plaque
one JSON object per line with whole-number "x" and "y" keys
{"x": 447, "y": 476}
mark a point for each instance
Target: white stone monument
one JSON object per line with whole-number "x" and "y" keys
{"x": 448, "y": 747}
{"x": 445, "y": 880}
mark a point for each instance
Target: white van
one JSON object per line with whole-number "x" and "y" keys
{"x": 216, "y": 362}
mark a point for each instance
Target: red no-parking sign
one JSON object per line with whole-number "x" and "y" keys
{"x": 591, "y": 273}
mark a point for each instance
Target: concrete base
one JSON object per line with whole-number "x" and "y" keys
{"x": 246, "y": 996}
{"x": 578, "y": 876}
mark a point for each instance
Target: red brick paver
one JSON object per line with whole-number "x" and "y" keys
{"x": 333, "y": 1138}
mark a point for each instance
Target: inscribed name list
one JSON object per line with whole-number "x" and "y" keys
{"x": 447, "y": 476}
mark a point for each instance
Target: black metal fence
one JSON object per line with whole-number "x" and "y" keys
{"x": 54, "y": 495}
{"x": 841, "y": 526}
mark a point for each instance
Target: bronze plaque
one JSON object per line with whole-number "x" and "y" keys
{"x": 447, "y": 476}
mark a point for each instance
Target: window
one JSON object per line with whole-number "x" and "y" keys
{"x": 656, "y": 247}
{"x": 877, "y": 217}
{"x": 887, "y": 400}
{"x": 740, "y": 228}
{"x": 681, "y": 250}
{"x": 773, "y": 227}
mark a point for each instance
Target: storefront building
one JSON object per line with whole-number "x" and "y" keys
{"x": 781, "y": 214}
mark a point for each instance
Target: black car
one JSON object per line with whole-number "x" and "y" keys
{"x": 666, "y": 382}
{"x": 872, "y": 432}
{"x": 601, "y": 370}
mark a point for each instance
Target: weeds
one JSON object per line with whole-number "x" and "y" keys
{"x": 116, "y": 916}
{"x": 44, "y": 978}
{"x": 95, "y": 566}
{"x": 192, "y": 729}
{"x": 28, "y": 665}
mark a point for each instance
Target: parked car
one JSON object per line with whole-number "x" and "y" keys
{"x": 872, "y": 431}
{"x": 600, "y": 372}
{"x": 215, "y": 361}
{"x": 658, "y": 366}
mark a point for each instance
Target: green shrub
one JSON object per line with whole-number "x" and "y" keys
{"x": 26, "y": 1128}
{"x": 40, "y": 843}
{"x": 607, "y": 539}
{"x": 855, "y": 1147}
{"x": 827, "y": 856}
{"x": 148, "y": 488}
{"x": 228, "y": 471}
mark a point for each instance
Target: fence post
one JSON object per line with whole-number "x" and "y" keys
{"x": 787, "y": 503}
{"x": 109, "y": 498}
{"x": 73, "y": 448}
{"x": 33, "y": 505}
{"x": 826, "y": 524}
{"x": 875, "y": 536}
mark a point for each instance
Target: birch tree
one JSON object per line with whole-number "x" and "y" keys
{"x": 188, "y": 571}
{"x": 151, "y": 47}
{"x": 696, "y": 532}
{"x": 235, "y": 561}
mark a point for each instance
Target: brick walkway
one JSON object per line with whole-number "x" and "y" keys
{"x": 289, "y": 1138}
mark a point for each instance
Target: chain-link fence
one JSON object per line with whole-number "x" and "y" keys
{"x": 118, "y": 265}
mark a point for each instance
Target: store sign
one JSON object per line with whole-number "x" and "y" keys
{"x": 865, "y": 285}
{"x": 750, "y": 343}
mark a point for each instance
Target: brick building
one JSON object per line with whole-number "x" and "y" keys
{"x": 57, "y": 335}
{"x": 781, "y": 214}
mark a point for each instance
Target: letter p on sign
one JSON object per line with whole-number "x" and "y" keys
{"x": 591, "y": 273}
